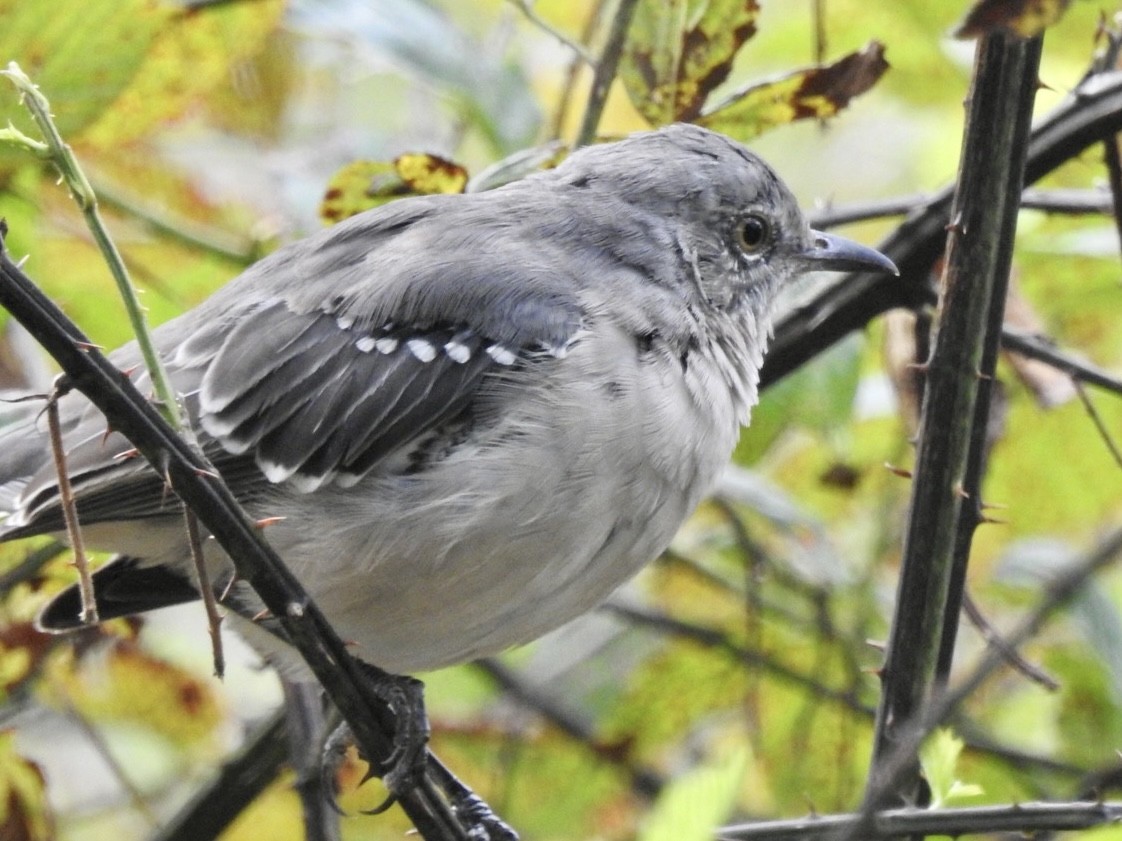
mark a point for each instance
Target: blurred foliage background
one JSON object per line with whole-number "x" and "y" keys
{"x": 736, "y": 677}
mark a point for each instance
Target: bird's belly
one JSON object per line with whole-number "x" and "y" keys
{"x": 522, "y": 529}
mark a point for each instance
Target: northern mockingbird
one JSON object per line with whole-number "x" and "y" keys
{"x": 474, "y": 415}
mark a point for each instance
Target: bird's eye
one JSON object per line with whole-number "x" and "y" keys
{"x": 753, "y": 233}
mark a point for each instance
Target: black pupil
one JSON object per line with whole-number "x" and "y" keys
{"x": 754, "y": 232}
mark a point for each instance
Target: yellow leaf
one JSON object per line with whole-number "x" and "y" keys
{"x": 815, "y": 93}
{"x": 363, "y": 185}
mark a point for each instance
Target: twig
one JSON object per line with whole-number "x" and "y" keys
{"x": 1043, "y": 349}
{"x": 1069, "y": 202}
{"x": 88, "y": 614}
{"x": 63, "y": 158}
{"x": 591, "y": 24}
{"x": 206, "y": 591}
{"x": 239, "y": 250}
{"x": 714, "y": 638}
{"x": 1025, "y": 818}
{"x": 545, "y": 26}
{"x": 1097, "y": 420}
{"x": 30, "y": 565}
{"x": 992, "y": 637}
{"x": 605, "y": 72}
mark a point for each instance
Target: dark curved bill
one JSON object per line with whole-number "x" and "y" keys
{"x": 833, "y": 253}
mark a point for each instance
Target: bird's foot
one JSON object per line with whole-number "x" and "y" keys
{"x": 405, "y": 765}
{"x": 410, "y": 760}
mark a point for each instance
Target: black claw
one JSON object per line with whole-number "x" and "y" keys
{"x": 381, "y": 807}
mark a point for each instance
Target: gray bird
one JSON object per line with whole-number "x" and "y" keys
{"x": 475, "y": 415}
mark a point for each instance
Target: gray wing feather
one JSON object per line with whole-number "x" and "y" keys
{"x": 281, "y": 374}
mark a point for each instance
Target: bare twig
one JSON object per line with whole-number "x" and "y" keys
{"x": 1069, "y": 202}
{"x": 1093, "y": 111}
{"x": 242, "y": 777}
{"x": 564, "y": 100}
{"x": 644, "y": 781}
{"x": 531, "y": 14}
{"x": 88, "y": 615}
{"x": 118, "y": 770}
{"x": 605, "y": 72}
{"x": 1097, "y": 420}
{"x": 1024, "y": 818}
{"x": 1043, "y": 349}
{"x": 992, "y": 637}
{"x": 206, "y": 591}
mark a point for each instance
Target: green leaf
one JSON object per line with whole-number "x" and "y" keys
{"x": 939, "y": 759}
{"x": 678, "y": 51}
{"x": 815, "y": 93}
{"x": 698, "y": 801}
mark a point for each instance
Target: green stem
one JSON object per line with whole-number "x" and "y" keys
{"x": 62, "y": 156}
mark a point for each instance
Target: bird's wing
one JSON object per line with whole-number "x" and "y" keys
{"x": 307, "y": 370}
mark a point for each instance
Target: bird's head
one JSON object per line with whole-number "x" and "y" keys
{"x": 739, "y": 228}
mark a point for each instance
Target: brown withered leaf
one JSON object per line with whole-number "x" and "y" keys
{"x": 362, "y": 185}
{"x": 678, "y": 51}
{"x": 1025, "y": 18}
{"x": 814, "y": 93}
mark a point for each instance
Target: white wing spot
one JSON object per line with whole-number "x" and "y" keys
{"x": 345, "y": 322}
{"x": 501, "y": 354}
{"x": 422, "y": 349}
{"x": 386, "y": 345}
{"x": 365, "y": 344}
{"x": 457, "y": 351}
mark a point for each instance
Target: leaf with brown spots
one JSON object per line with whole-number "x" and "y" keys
{"x": 678, "y": 51}
{"x": 1024, "y": 18}
{"x": 815, "y": 93}
{"x": 363, "y": 185}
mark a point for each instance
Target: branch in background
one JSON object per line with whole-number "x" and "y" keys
{"x": 1058, "y": 593}
{"x": 1070, "y": 202}
{"x": 242, "y": 778}
{"x": 605, "y": 72}
{"x": 944, "y": 508}
{"x": 644, "y": 781}
{"x": 1025, "y": 818}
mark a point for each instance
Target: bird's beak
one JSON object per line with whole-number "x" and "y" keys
{"x": 833, "y": 253}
